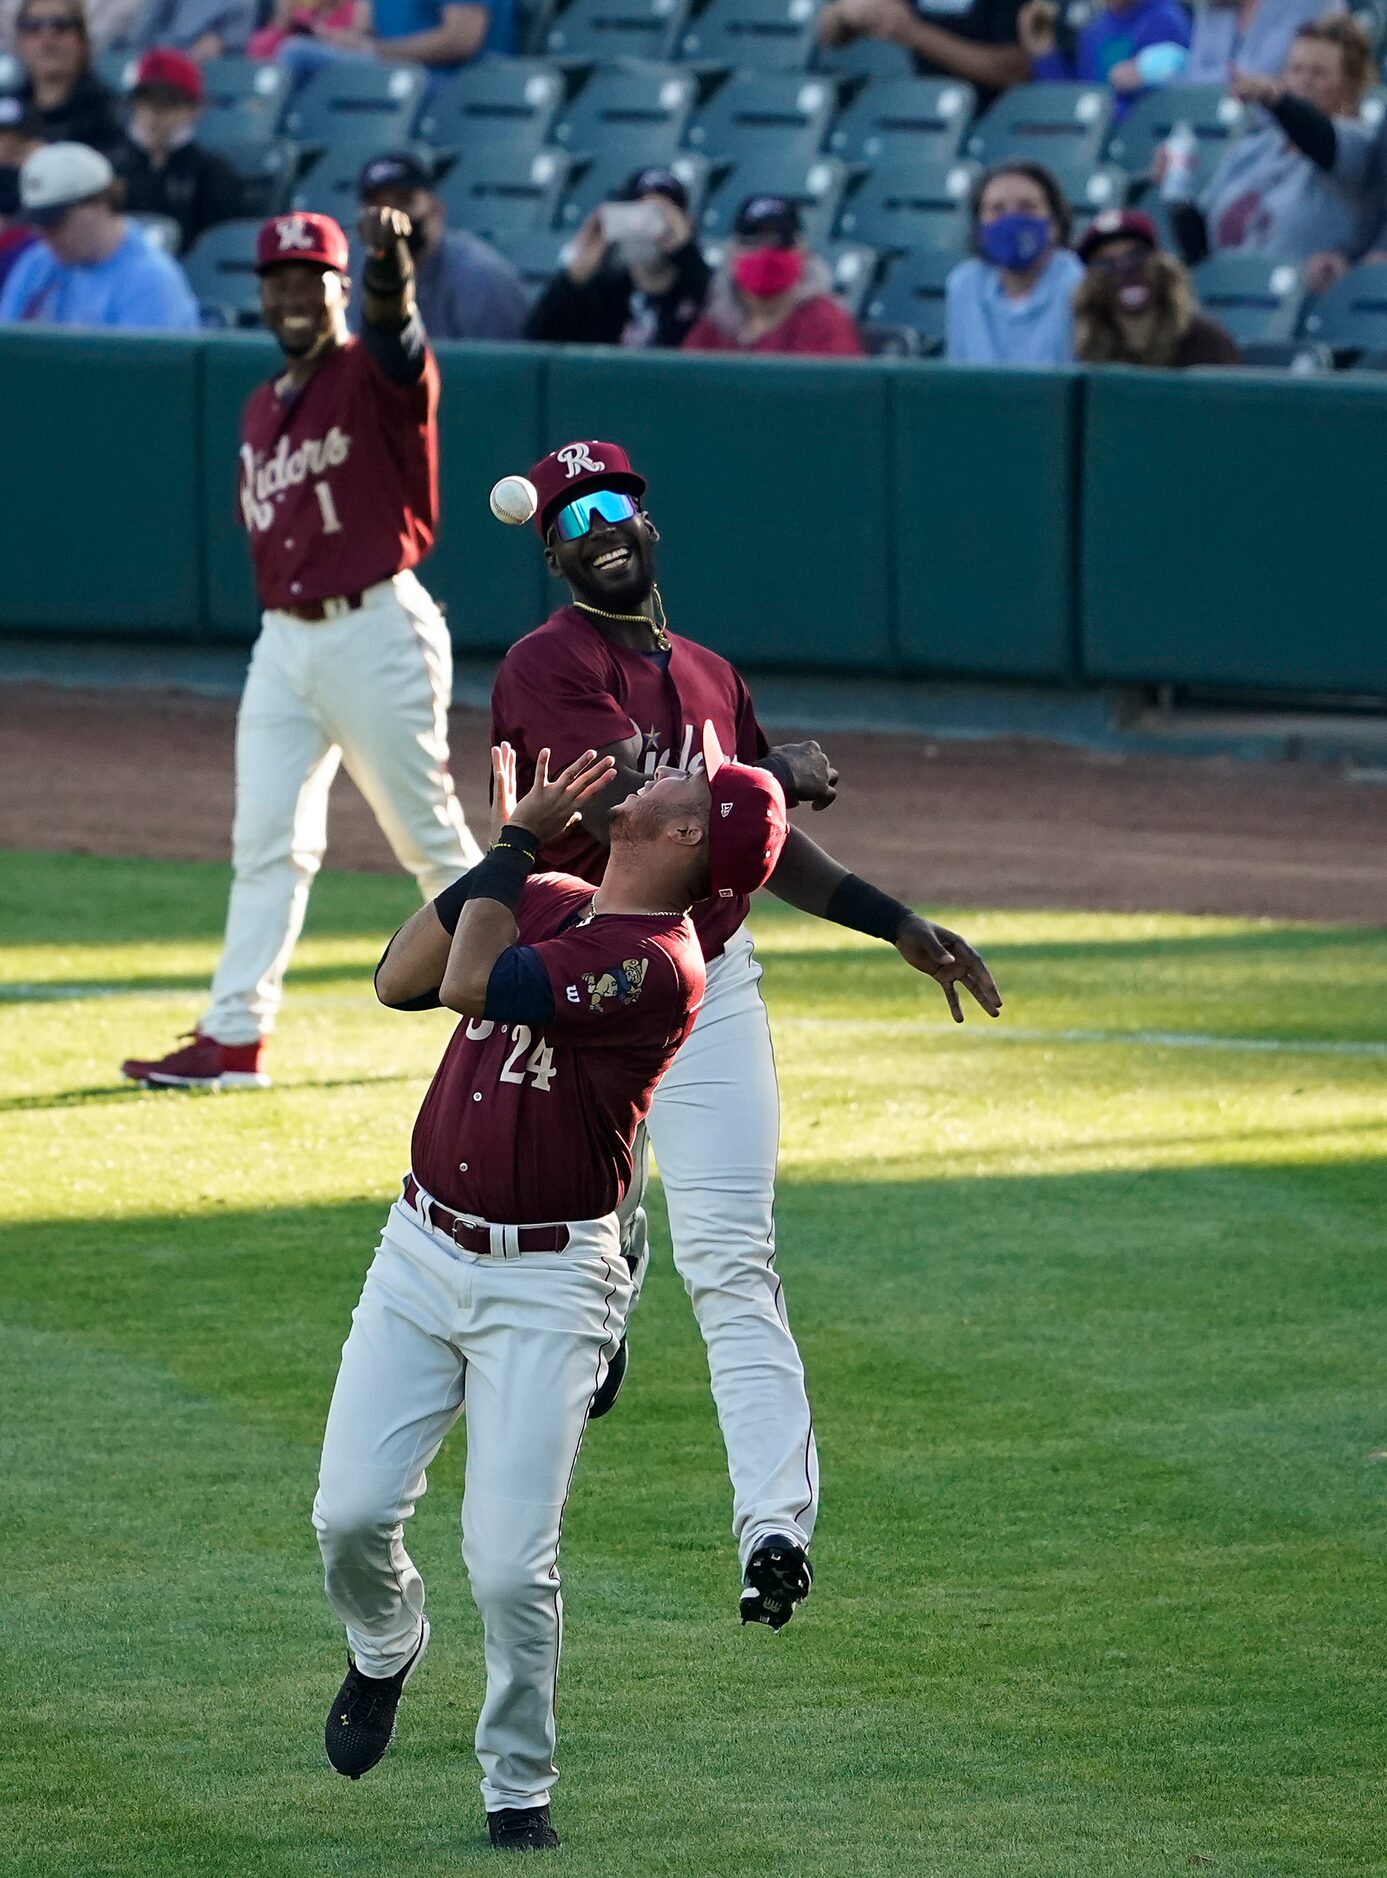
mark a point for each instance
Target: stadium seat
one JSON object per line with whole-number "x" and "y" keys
{"x": 246, "y": 99}
{"x": 1090, "y": 188}
{"x": 765, "y": 116}
{"x": 770, "y": 35}
{"x": 1256, "y": 299}
{"x": 1210, "y": 112}
{"x": 536, "y": 256}
{"x": 1303, "y": 358}
{"x": 854, "y": 268}
{"x": 499, "y": 192}
{"x": 912, "y": 294}
{"x": 892, "y": 342}
{"x": 864, "y": 59}
{"x": 510, "y": 101}
{"x": 11, "y": 73}
{"x": 817, "y": 187}
{"x": 645, "y": 105}
{"x": 358, "y": 100}
{"x": 1352, "y": 315}
{"x": 600, "y": 31}
{"x": 161, "y": 231}
{"x": 921, "y": 119}
{"x": 220, "y": 267}
{"x": 267, "y": 168}
{"x": 1047, "y": 124}
{"x": 912, "y": 205}
{"x": 604, "y": 177}
{"x": 116, "y": 69}
{"x": 329, "y": 188}
{"x": 1374, "y": 107}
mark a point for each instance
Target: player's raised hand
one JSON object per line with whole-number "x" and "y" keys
{"x": 813, "y": 779}
{"x": 380, "y": 229}
{"x": 502, "y": 786}
{"x": 547, "y": 808}
{"x": 950, "y": 961}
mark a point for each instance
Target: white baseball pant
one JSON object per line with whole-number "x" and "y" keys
{"x": 370, "y": 689}
{"x": 715, "y": 1129}
{"x": 525, "y": 1341}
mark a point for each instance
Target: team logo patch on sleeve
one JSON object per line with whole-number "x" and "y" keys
{"x": 622, "y": 982}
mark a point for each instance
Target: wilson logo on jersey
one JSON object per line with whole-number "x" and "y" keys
{"x": 263, "y": 478}
{"x": 622, "y": 982}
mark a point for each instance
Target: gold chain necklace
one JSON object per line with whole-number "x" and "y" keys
{"x": 659, "y": 626}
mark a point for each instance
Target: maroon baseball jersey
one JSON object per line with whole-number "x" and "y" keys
{"x": 339, "y": 482}
{"x": 521, "y": 1128}
{"x": 567, "y": 688}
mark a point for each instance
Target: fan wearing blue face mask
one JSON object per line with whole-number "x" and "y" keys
{"x": 1012, "y": 303}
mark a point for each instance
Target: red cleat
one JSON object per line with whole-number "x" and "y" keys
{"x": 203, "y": 1064}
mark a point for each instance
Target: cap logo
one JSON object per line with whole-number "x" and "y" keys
{"x": 294, "y": 234}
{"x": 575, "y": 459}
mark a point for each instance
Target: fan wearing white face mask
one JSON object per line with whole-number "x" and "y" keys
{"x": 634, "y": 276}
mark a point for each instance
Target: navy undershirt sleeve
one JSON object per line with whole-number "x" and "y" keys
{"x": 518, "y": 990}
{"x": 399, "y": 351}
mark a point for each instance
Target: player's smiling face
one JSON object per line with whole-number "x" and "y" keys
{"x": 612, "y": 566}
{"x": 304, "y": 306}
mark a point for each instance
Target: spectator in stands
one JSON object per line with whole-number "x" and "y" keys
{"x": 204, "y": 29}
{"x": 19, "y": 138}
{"x": 69, "y": 100}
{"x": 1011, "y": 304}
{"x": 1244, "y": 35}
{"x": 308, "y": 19}
{"x": 1128, "y": 44}
{"x": 442, "y": 34}
{"x": 92, "y": 267}
{"x": 166, "y": 171}
{"x": 1289, "y": 190}
{"x": 970, "y": 39}
{"x": 464, "y": 288}
{"x": 771, "y": 293}
{"x": 634, "y": 276}
{"x": 1136, "y": 306}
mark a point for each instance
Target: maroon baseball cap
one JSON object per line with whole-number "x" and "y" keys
{"x": 746, "y": 822}
{"x": 1117, "y": 225}
{"x": 574, "y": 469}
{"x": 163, "y": 69}
{"x": 300, "y": 236}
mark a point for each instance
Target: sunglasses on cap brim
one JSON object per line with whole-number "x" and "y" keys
{"x": 610, "y": 505}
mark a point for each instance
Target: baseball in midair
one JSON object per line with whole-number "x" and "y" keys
{"x": 514, "y": 499}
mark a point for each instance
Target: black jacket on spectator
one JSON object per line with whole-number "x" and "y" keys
{"x": 196, "y": 186}
{"x": 89, "y": 114}
{"x": 609, "y": 309}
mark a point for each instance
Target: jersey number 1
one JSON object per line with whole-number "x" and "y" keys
{"x": 332, "y": 524}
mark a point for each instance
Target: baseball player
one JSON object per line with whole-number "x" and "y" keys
{"x": 605, "y": 671}
{"x": 339, "y": 499}
{"x": 499, "y": 1281}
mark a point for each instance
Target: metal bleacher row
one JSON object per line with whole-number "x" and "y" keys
{"x": 737, "y": 99}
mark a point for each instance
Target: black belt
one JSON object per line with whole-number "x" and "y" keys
{"x": 469, "y": 1236}
{"x": 314, "y": 611}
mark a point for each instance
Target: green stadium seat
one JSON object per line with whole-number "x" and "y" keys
{"x": 921, "y": 119}
{"x": 1091, "y": 188}
{"x": 1352, "y": 315}
{"x": 854, "y": 267}
{"x": 1048, "y": 124}
{"x": 1256, "y": 299}
{"x": 769, "y": 35}
{"x": 911, "y": 294}
{"x": 649, "y": 105}
{"x": 600, "y": 31}
{"x": 864, "y": 59}
{"x": 765, "y": 116}
{"x": 1303, "y": 358}
{"x": 535, "y": 256}
{"x": 903, "y": 206}
{"x": 893, "y": 342}
{"x": 161, "y": 231}
{"x": 496, "y": 100}
{"x": 267, "y": 167}
{"x": 246, "y": 99}
{"x": 220, "y": 267}
{"x": 11, "y": 73}
{"x": 816, "y": 186}
{"x": 500, "y": 192}
{"x": 609, "y": 172}
{"x": 1210, "y": 112}
{"x": 116, "y": 69}
{"x": 329, "y": 188}
{"x": 357, "y": 99}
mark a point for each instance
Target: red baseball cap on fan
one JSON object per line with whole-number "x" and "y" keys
{"x": 574, "y": 469}
{"x": 162, "y": 69}
{"x": 300, "y": 236}
{"x": 746, "y": 822}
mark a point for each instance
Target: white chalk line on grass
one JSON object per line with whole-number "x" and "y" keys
{"x": 979, "y": 1028}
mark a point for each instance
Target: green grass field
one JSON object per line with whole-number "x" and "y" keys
{"x": 1093, "y": 1303}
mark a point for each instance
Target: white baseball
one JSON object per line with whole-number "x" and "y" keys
{"x": 514, "y": 499}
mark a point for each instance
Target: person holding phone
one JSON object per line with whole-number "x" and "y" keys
{"x": 634, "y": 276}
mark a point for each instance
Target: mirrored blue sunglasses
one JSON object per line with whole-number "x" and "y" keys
{"x": 574, "y": 521}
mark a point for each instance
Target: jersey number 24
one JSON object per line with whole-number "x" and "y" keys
{"x": 540, "y": 1064}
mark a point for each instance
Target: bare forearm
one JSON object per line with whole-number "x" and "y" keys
{"x": 994, "y": 67}
{"x": 485, "y": 930}
{"x": 415, "y": 960}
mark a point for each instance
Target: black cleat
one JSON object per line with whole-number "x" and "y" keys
{"x": 776, "y": 1579}
{"x": 361, "y": 1721}
{"x": 522, "y": 1829}
{"x": 611, "y": 1384}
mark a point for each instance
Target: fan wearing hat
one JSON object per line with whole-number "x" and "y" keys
{"x": 166, "y": 171}
{"x": 772, "y": 293}
{"x": 1136, "y": 305}
{"x": 91, "y": 267}
{"x": 338, "y": 494}
{"x": 463, "y": 288}
{"x": 634, "y": 274}
{"x": 606, "y": 672}
{"x": 19, "y": 137}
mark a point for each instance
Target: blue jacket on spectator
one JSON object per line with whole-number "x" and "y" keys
{"x": 983, "y": 327}
{"x": 1113, "y": 36}
{"x": 137, "y": 287}
{"x": 1218, "y": 47}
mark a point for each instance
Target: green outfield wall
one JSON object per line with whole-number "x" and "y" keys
{"x": 885, "y": 517}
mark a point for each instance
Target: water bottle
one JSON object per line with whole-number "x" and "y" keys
{"x": 1181, "y": 158}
